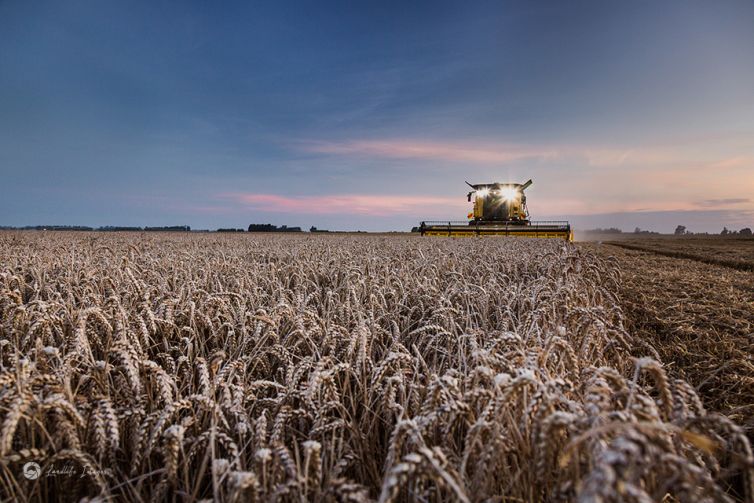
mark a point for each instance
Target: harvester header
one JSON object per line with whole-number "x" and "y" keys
{"x": 499, "y": 210}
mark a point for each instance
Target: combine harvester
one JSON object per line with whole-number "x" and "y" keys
{"x": 499, "y": 210}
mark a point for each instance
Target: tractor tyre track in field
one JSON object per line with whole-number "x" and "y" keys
{"x": 739, "y": 265}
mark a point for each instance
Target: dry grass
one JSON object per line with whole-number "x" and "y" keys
{"x": 339, "y": 368}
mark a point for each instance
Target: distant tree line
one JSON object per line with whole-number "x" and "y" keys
{"x": 116, "y": 228}
{"x": 49, "y": 228}
{"x": 105, "y": 228}
{"x": 643, "y": 232}
{"x": 746, "y": 231}
{"x": 272, "y": 228}
{"x": 682, "y": 231}
{"x": 172, "y": 228}
{"x": 615, "y": 230}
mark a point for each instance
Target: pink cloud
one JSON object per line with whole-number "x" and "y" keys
{"x": 544, "y": 206}
{"x": 419, "y": 206}
{"x": 370, "y": 205}
{"x": 488, "y": 153}
{"x": 731, "y": 201}
{"x": 734, "y": 162}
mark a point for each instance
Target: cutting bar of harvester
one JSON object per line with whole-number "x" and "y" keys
{"x": 542, "y": 229}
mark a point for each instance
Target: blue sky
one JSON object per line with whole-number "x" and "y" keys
{"x": 359, "y": 115}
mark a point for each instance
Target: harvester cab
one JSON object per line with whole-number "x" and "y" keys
{"x": 499, "y": 202}
{"x": 499, "y": 210}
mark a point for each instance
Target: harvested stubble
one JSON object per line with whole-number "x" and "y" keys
{"x": 700, "y": 318}
{"x": 733, "y": 253}
{"x": 338, "y": 368}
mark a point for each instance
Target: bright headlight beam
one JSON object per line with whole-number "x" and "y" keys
{"x": 509, "y": 193}
{"x": 483, "y": 192}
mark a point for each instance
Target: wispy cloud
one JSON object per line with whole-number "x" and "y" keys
{"x": 484, "y": 152}
{"x": 714, "y": 203}
{"x": 734, "y": 162}
{"x": 360, "y": 204}
{"x": 417, "y": 149}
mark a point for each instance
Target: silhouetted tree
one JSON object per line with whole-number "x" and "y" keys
{"x": 680, "y": 230}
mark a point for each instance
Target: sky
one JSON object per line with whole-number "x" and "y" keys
{"x": 371, "y": 115}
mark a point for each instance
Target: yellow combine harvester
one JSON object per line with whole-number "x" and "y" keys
{"x": 499, "y": 210}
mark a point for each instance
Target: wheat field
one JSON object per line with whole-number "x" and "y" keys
{"x": 179, "y": 367}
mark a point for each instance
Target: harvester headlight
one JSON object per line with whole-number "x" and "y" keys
{"x": 483, "y": 192}
{"x": 509, "y": 193}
